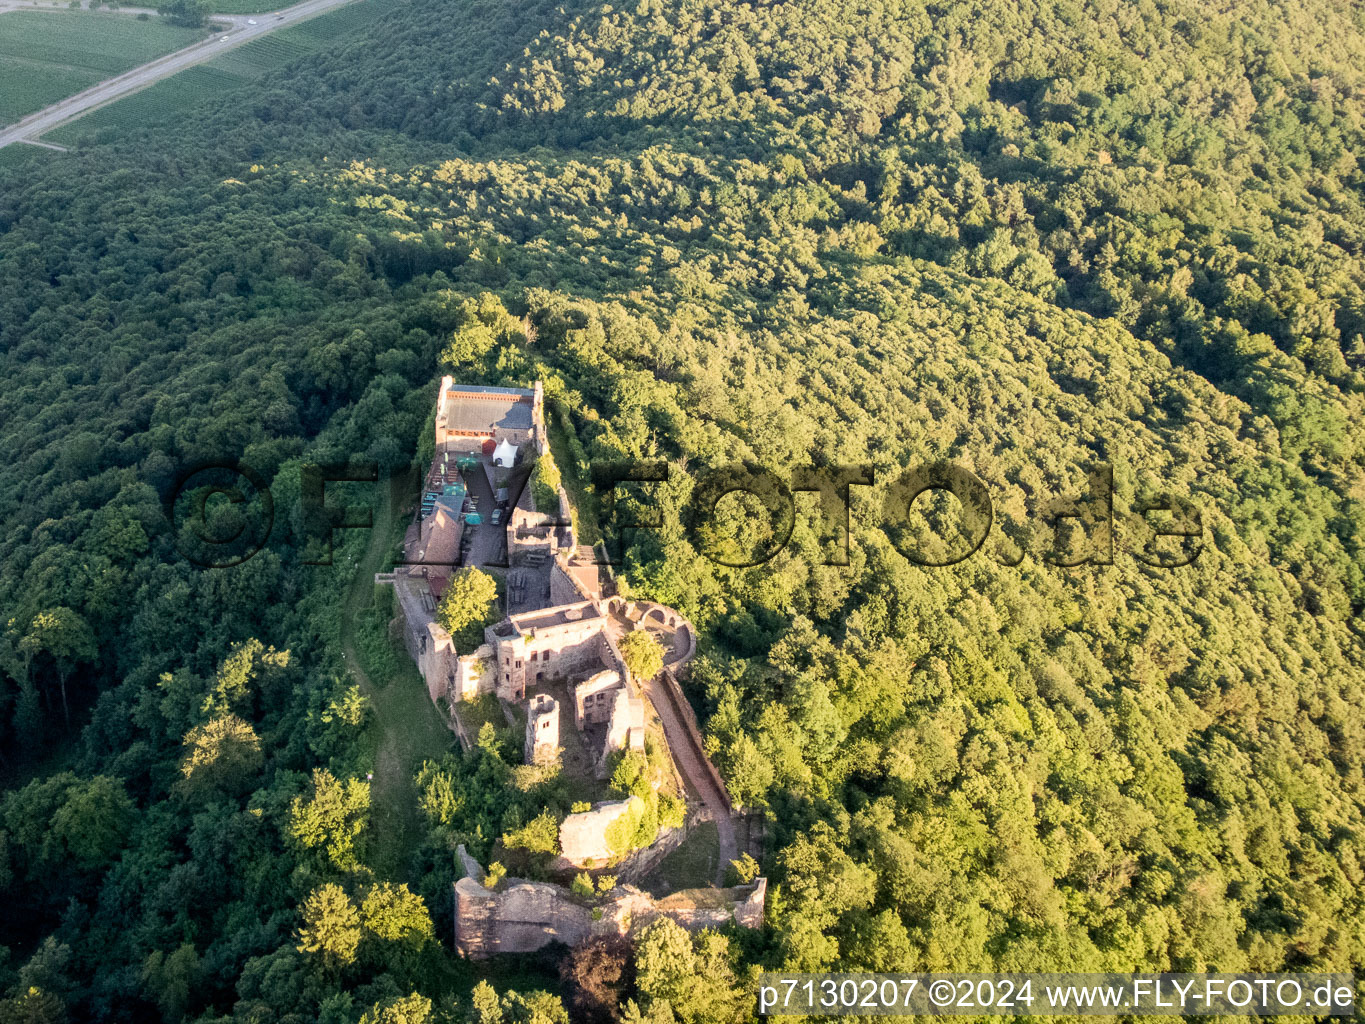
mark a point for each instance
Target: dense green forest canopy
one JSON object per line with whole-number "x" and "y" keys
{"x": 1029, "y": 238}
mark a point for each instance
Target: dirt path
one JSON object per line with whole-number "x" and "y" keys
{"x": 392, "y": 807}
{"x": 37, "y": 124}
{"x": 691, "y": 762}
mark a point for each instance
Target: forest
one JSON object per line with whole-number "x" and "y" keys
{"x": 1030, "y": 239}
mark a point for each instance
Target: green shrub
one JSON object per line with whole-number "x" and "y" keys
{"x": 672, "y": 811}
{"x": 545, "y": 481}
{"x": 742, "y": 870}
{"x": 635, "y": 828}
{"x": 620, "y": 833}
{"x": 470, "y": 603}
{"x": 539, "y": 835}
{"x": 630, "y": 776}
{"x": 642, "y": 654}
{"x": 648, "y": 826}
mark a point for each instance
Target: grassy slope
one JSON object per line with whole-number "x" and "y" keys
{"x": 407, "y": 727}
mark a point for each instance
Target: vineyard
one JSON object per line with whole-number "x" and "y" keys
{"x": 221, "y": 76}
{"x": 48, "y": 55}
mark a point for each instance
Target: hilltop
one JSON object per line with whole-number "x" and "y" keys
{"x": 1028, "y": 240}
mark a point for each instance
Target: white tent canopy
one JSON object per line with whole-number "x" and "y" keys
{"x": 505, "y": 454}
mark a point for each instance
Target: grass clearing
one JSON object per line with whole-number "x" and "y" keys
{"x": 220, "y": 80}
{"x": 372, "y": 640}
{"x": 46, "y": 56}
{"x": 408, "y": 729}
{"x": 406, "y": 709}
{"x": 691, "y": 866}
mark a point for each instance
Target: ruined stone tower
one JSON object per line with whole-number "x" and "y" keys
{"x": 542, "y": 729}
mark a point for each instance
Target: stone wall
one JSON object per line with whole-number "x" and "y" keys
{"x": 638, "y": 863}
{"x": 610, "y": 655}
{"x": 530, "y": 534}
{"x": 518, "y": 918}
{"x": 592, "y": 698}
{"x": 521, "y": 917}
{"x": 538, "y": 432}
{"x": 437, "y": 662}
{"x": 474, "y": 674}
{"x": 563, "y": 588}
{"x": 625, "y": 728}
{"x": 749, "y": 914}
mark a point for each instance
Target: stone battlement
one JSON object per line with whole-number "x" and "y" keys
{"x": 519, "y": 916}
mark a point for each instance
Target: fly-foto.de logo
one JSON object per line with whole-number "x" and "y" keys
{"x": 740, "y": 515}
{"x": 936, "y": 515}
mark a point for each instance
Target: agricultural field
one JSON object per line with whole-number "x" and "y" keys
{"x": 247, "y": 6}
{"x": 47, "y": 55}
{"x": 238, "y": 67}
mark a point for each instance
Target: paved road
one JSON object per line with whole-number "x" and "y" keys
{"x": 35, "y": 125}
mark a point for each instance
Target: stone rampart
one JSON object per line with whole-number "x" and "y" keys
{"x": 518, "y": 916}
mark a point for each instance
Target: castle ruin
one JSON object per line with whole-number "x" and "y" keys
{"x": 553, "y": 661}
{"x": 478, "y": 509}
{"x": 519, "y": 916}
